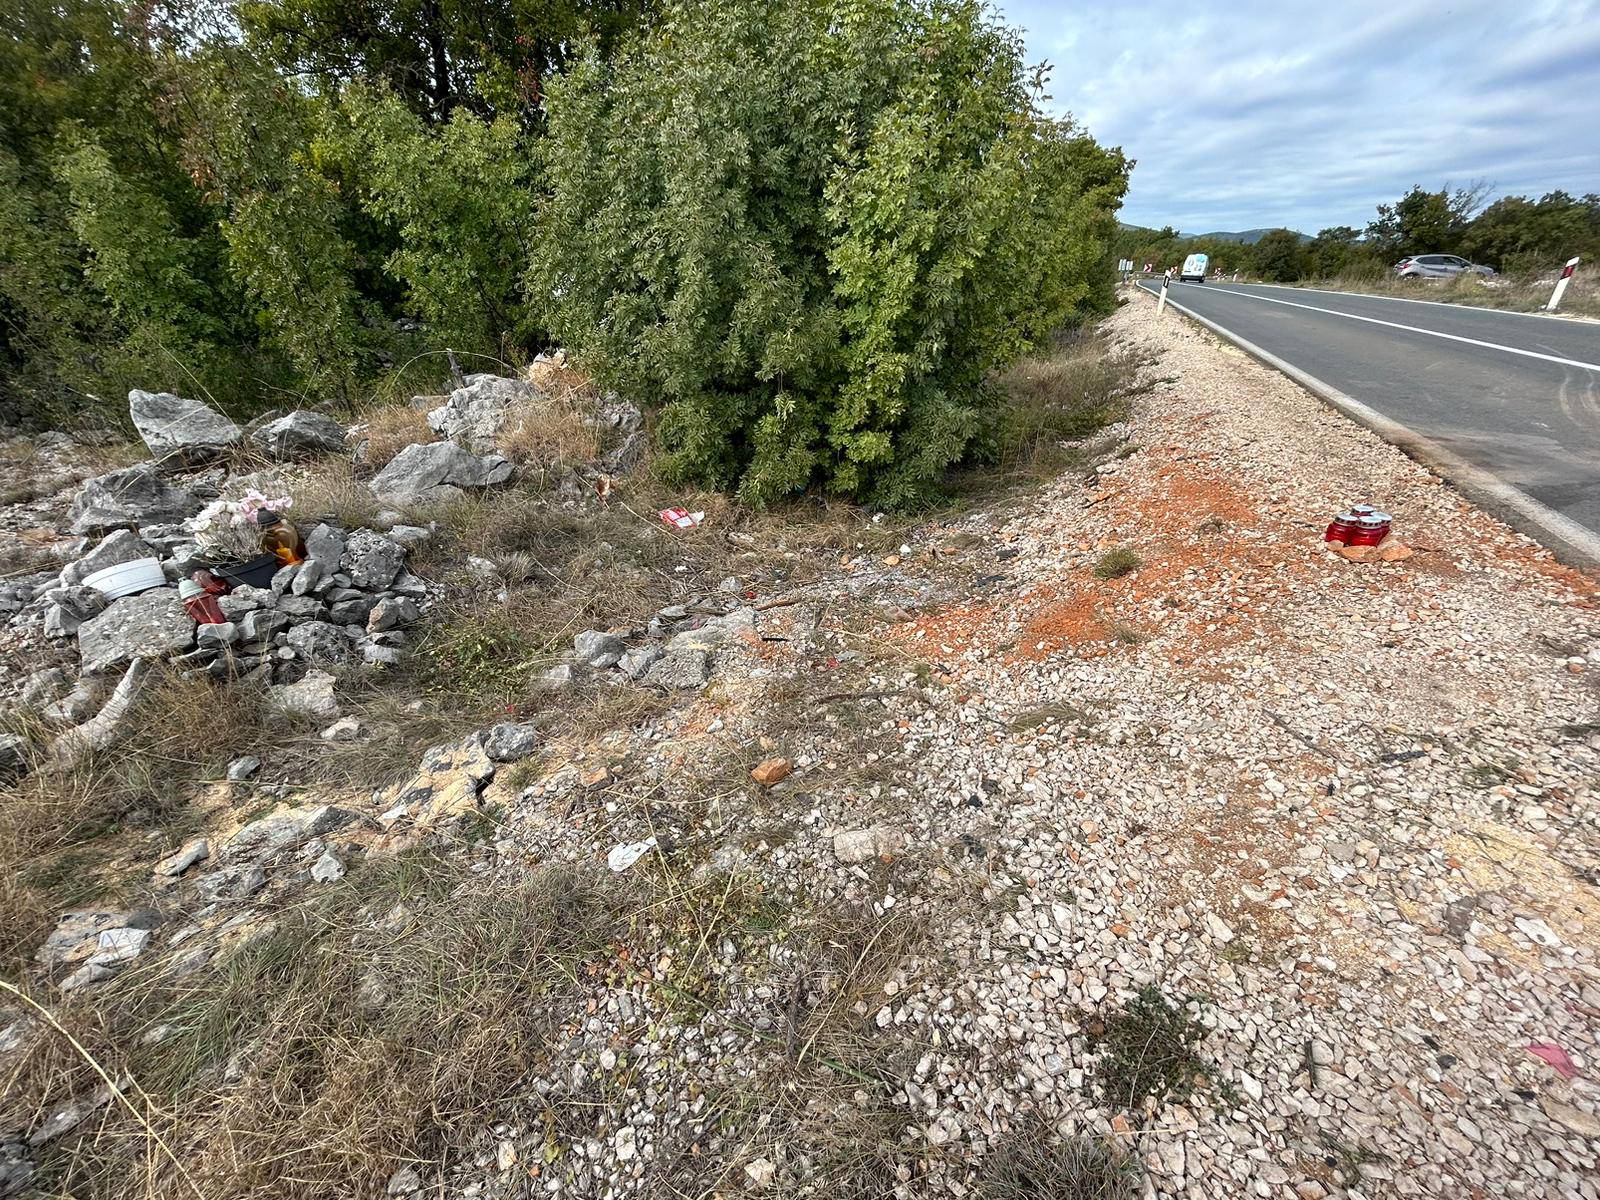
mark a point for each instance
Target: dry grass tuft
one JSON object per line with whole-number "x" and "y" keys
{"x": 327, "y": 490}
{"x": 1060, "y": 396}
{"x": 372, "y": 1025}
{"x": 1033, "y": 1164}
{"x": 389, "y": 429}
{"x": 1116, "y": 563}
{"x": 56, "y": 828}
{"x": 559, "y": 429}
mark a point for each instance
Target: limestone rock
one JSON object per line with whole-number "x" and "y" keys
{"x": 300, "y": 433}
{"x": 436, "y": 471}
{"x": 475, "y": 413}
{"x": 595, "y": 649}
{"x": 862, "y": 845}
{"x": 445, "y": 787}
{"x": 135, "y": 496}
{"x": 313, "y": 696}
{"x": 391, "y": 612}
{"x": 511, "y": 742}
{"x": 318, "y": 642}
{"x": 684, "y": 669}
{"x": 152, "y": 624}
{"x": 288, "y": 827}
{"x": 172, "y": 425}
{"x": 193, "y": 851}
{"x": 371, "y": 560}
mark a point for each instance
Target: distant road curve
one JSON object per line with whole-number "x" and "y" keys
{"x": 1506, "y": 405}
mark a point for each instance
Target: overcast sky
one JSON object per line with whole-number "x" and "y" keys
{"x": 1251, "y": 113}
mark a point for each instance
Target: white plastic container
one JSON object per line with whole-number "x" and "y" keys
{"x": 127, "y": 579}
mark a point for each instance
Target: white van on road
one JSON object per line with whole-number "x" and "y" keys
{"x": 1194, "y": 269}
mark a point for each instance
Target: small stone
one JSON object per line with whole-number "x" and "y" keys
{"x": 597, "y": 650}
{"x": 241, "y": 769}
{"x": 313, "y": 696}
{"x": 216, "y": 636}
{"x": 511, "y": 742}
{"x": 371, "y": 560}
{"x": 193, "y": 851}
{"x": 772, "y": 771}
{"x": 391, "y": 612}
{"x": 345, "y": 729}
{"x": 862, "y": 845}
{"x": 626, "y": 1144}
{"x": 328, "y": 868}
{"x": 635, "y": 663}
{"x": 683, "y": 669}
{"x": 404, "y": 1182}
{"x": 760, "y": 1172}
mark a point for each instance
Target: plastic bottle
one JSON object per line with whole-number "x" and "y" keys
{"x": 200, "y": 604}
{"x": 280, "y": 537}
{"x": 210, "y": 582}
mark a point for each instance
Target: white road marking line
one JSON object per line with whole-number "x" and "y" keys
{"x": 1453, "y": 337}
{"x": 1471, "y": 308}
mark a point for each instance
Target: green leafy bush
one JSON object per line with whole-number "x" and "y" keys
{"x": 459, "y": 200}
{"x": 810, "y": 231}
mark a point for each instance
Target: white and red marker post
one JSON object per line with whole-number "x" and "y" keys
{"x": 1561, "y": 285}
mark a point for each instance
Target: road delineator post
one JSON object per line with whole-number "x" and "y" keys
{"x": 1161, "y": 303}
{"x": 1561, "y": 285}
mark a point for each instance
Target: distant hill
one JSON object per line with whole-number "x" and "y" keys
{"x": 1248, "y": 237}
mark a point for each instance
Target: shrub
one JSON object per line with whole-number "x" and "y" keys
{"x": 1114, "y": 564}
{"x": 809, "y": 231}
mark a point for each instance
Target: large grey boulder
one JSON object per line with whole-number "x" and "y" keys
{"x": 475, "y": 413}
{"x": 150, "y": 625}
{"x": 172, "y": 425}
{"x": 436, "y": 471}
{"x": 300, "y": 433}
{"x": 134, "y": 496}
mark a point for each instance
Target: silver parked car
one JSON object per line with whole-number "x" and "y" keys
{"x": 1436, "y": 266}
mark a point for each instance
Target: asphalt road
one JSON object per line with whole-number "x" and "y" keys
{"x": 1515, "y": 394}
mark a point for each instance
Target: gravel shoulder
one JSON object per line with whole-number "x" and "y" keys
{"x": 1351, "y": 803}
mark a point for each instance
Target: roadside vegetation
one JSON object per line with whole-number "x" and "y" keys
{"x": 1525, "y": 241}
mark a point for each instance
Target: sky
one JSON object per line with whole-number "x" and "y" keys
{"x": 1255, "y": 114}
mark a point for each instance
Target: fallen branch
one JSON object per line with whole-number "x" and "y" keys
{"x": 1300, "y": 737}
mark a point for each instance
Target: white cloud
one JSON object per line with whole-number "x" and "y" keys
{"x": 1308, "y": 115}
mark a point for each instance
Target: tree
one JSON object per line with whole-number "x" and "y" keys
{"x": 494, "y": 56}
{"x": 1331, "y": 250}
{"x": 1280, "y": 256}
{"x": 809, "y": 230}
{"x": 1515, "y": 231}
{"x": 1425, "y": 222}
